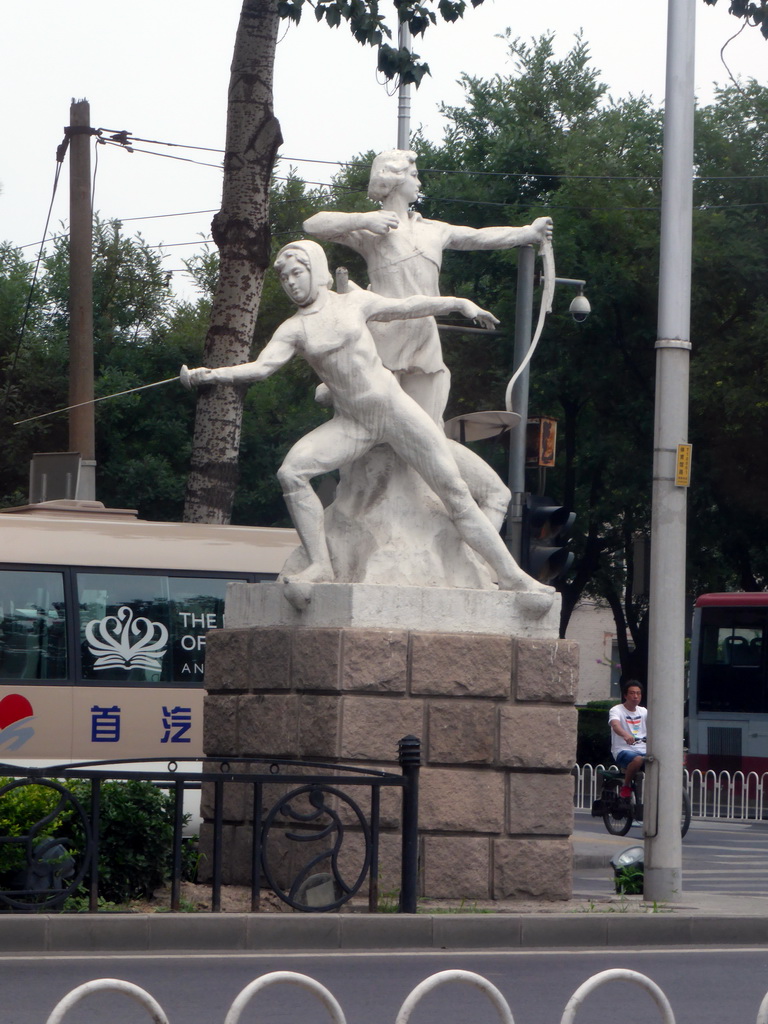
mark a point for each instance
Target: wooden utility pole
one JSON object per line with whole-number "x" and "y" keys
{"x": 82, "y": 432}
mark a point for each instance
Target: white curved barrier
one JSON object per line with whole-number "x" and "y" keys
{"x": 762, "y": 1013}
{"x": 149, "y": 1003}
{"x": 336, "y": 1013}
{"x": 617, "y": 974}
{"x": 285, "y": 977}
{"x": 432, "y": 982}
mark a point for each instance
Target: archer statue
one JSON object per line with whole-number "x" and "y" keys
{"x": 403, "y": 252}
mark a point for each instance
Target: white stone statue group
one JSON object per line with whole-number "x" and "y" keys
{"x": 378, "y": 355}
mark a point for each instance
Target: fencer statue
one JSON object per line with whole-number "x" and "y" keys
{"x": 332, "y": 332}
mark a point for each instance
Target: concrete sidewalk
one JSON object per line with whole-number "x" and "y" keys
{"x": 587, "y": 920}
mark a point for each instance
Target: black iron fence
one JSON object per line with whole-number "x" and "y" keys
{"x": 313, "y": 829}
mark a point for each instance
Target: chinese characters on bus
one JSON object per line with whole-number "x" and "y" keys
{"x": 175, "y": 723}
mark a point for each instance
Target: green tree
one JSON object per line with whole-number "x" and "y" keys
{"x": 140, "y": 334}
{"x": 33, "y": 374}
{"x": 753, "y": 12}
{"x": 729, "y": 371}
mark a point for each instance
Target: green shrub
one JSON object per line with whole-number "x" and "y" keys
{"x": 135, "y": 833}
{"x": 21, "y": 808}
{"x": 629, "y": 881}
{"x": 190, "y": 858}
{"x": 135, "y": 837}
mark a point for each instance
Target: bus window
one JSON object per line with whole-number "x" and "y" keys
{"x": 730, "y": 674}
{"x": 142, "y": 629}
{"x": 33, "y": 639}
{"x": 197, "y": 605}
{"x": 722, "y": 645}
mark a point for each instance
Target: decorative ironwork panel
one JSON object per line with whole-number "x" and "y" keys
{"x": 43, "y": 865}
{"x": 316, "y": 842}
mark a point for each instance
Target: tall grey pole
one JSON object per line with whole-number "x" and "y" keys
{"x": 663, "y": 848}
{"x": 82, "y": 431}
{"x": 404, "y": 95}
{"x": 526, "y": 261}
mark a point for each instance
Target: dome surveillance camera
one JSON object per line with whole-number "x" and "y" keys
{"x": 580, "y": 308}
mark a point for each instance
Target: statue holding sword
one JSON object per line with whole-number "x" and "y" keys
{"x": 331, "y": 332}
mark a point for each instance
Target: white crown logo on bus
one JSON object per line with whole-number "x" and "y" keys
{"x": 120, "y": 641}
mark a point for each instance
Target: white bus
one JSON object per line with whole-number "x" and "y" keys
{"x": 103, "y": 619}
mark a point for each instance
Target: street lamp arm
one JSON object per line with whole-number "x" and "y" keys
{"x": 573, "y": 281}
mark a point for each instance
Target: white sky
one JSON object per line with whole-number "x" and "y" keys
{"x": 159, "y": 69}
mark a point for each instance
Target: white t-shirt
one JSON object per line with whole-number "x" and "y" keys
{"x": 633, "y": 722}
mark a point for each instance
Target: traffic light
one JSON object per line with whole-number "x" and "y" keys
{"x": 546, "y": 531}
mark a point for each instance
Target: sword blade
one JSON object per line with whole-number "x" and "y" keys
{"x": 93, "y": 401}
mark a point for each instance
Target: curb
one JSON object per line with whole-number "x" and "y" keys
{"x": 163, "y": 933}
{"x": 599, "y": 859}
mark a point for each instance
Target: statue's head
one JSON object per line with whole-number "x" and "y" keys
{"x": 303, "y": 270}
{"x": 388, "y": 172}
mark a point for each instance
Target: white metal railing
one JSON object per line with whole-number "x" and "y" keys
{"x": 336, "y": 1013}
{"x": 143, "y": 998}
{"x": 327, "y": 998}
{"x": 618, "y": 974}
{"x": 729, "y": 796}
{"x": 434, "y": 980}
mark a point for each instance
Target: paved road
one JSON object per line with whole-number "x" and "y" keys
{"x": 704, "y": 986}
{"x": 718, "y": 857}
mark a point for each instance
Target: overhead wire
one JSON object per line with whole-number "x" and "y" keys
{"x": 176, "y": 145}
{"x": 124, "y": 140}
{"x": 161, "y": 216}
{"x": 166, "y": 156}
{"x": 93, "y": 179}
{"x": 31, "y": 290}
{"x": 126, "y": 143}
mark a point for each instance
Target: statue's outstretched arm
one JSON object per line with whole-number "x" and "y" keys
{"x": 379, "y": 308}
{"x": 500, "y": 237}
{"x": 330, "y": 224}
{"x": 275, "y": 354}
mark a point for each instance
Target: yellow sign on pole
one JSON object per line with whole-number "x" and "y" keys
{"x": 683, "y": 465}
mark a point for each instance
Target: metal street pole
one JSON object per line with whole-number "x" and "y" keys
{"x": 526, "y": 261}
{"x": 663, "y": 847}
{"x": 404, "y": 95}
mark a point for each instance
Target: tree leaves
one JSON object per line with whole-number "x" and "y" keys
{"x": 754, "y": 12}
{"x": 140, "y": 335}
{"x": 370, "y": 27}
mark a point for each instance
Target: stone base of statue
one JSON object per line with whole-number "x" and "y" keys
{"x": 487, "y": 689}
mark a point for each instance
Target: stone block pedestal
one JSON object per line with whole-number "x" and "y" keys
{"x": 494, "y": 713}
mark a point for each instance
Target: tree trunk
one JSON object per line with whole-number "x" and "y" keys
{"x": 241, "y": 232}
